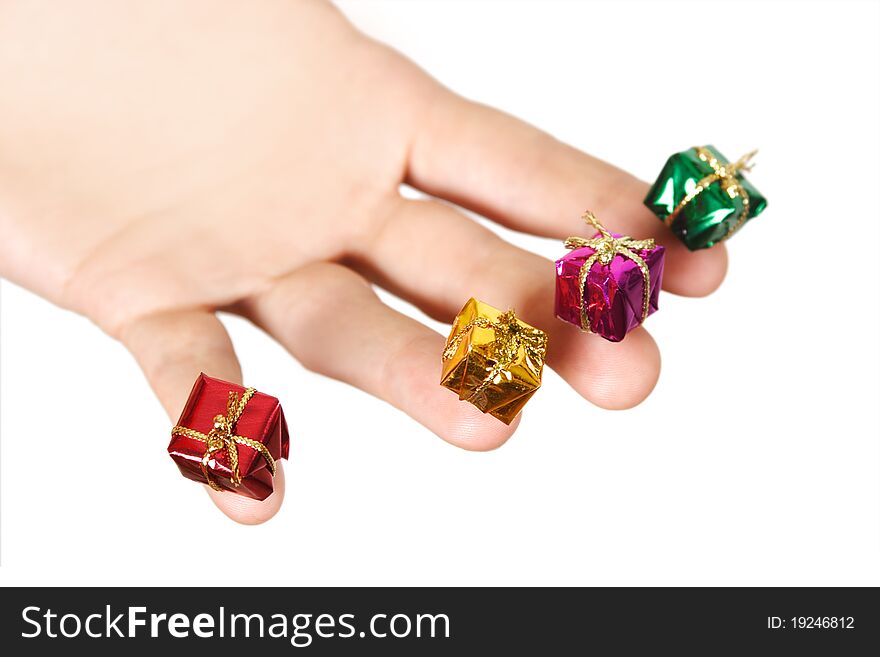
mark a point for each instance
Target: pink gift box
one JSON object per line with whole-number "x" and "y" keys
{"x": 614, "y": 297}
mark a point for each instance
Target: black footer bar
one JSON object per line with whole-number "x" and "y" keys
{"x": 428, "y": 621}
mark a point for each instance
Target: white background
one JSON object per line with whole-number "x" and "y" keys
{"x": 755, "y": 461}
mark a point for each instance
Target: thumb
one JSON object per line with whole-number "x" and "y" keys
{"x": 172, "y": 349}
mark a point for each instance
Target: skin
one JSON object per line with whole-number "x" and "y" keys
{"x": 163, "y": 160}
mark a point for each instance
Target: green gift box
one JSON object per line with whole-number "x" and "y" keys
{"x": 703, "y": 197}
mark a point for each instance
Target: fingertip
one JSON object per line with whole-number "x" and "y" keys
{"x": 694, "y": 273}
{"x": 611, "y": 375}
{"x": 465, "y": 426}
{"x": 247, "y": 511}
{"x": 636, "y": 375}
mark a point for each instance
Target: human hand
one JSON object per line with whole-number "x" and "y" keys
{"x": 160, "y": 161}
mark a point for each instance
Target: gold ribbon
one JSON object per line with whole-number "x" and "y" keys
{"x": 726, "y": 175}
{"x": 222, "y": 436}
{"x": 606, "y": 247}
{"x": 510, "y": 335}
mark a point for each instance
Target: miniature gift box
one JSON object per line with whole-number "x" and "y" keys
{"x": 703, "y": 197}
{"x": 493, "y": 360}
{"x": 229, "y": 437}
{"x": 608, "y": 284}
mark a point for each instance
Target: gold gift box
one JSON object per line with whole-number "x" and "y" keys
{"x": 493, "y": 360}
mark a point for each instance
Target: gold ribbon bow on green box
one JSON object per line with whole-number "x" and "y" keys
{"x": 703, "y": 197}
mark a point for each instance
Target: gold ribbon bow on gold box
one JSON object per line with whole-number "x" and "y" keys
{"x": 493, "y": 360}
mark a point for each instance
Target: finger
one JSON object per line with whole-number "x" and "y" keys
{"x": 435, "y": 257}
{"x": 172, "y": 349}
{"x": 521, "y": 177}
{"x": 330, "y": 319}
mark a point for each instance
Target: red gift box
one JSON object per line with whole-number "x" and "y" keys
{"x": 220, "y": 417}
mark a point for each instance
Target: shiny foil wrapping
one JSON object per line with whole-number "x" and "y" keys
{"x": 614, "y": 292}
{"x": 710, "y": 216}
{"x": 493, "y": 360}
{"x": 262, "y": 420}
